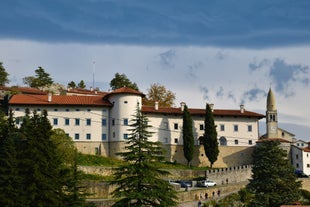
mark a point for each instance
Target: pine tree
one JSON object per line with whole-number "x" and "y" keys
{"x": 188, "y": 137}
{"x": 273, "y": 180}
{"x": 139, "y": 182}
{"x": 209, "y": 139}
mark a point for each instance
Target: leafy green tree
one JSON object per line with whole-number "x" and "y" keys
{"x": 209, "y": 138}
{"x": 188, "y": 137}
{"x": 3, "y": 75}
{"x": 273, "y": 180}
{"x": 41, "y": 79}
{"x": 159, "y": 93}
{"x": 72, "y": 84}
{"x": 121, "y": 80}
{"x": 81, "y": 84}
{"x": 139, "y": 182}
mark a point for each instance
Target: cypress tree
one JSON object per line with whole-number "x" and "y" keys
{"x": 139, "y": 182}
{"x": 210, "y": 142}
{"x": 188, "y": 137}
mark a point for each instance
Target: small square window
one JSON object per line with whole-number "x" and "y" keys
{"x": 201, "y": 127}
{"x": 88, "y": 122}
{"x": 67, "y": 121}
{"x": 55, "y": 109}
{"x": 176, "y": 140}
{"x": 77, "y": 122}
{"x": 104, "y": 137}
{"x": 88, "y": 136}
{"x": 76, "y": 136}
{"x": 104, "y": 122}
{"x": 250, "y": 142}
{"x": 165, "y": 140}
{"x": 67, "y": 109}
{"x": 125, "y": 136}
{"x": 222, "y": 127}
{"x": 249, "y": 128}
{"x": 125, "y": 102}
{"x": 77, "y": 109}
{"x": 88, "y": 110}
{"x": 55, "y": 121}
{"x": 236, "y": 141}
{"x": 125, "y": 122}
{"x": 176, "y": 126}
{"x": 104, "y": 110}
{"x": 17, "y": 109}
{"x": 236, "y": 128}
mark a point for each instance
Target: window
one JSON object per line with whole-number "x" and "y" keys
{"x": 235, "y": 128}
{"x": 67, "y": 134}
{"x": 222, "y": 127}
{"x": 125, "y": 136}
{"x": 55, "y": 109}
{"x": 104, "y": 110}
{"x": 125, "y": 102}
{"x": 308, "y": 165}
{"x": 176, "y": 140}
{"x": 223, "y": 141}
{"x": 125, "y": 122}
{"x": 76, "y": 136}
{"x": 201, "y": 127}
{"x": 249, "y": 128}
{"x": 113, "y": 122}
{"x": 113, "y": 134}
{"x": 296, "y": 156}
{"x": 250, "y": 142}
{"x": 88, "y": 136}
{"x": 88, "y": 122}
{"x": 67, "y": 109}
{"x": 55, "y": 121}
{"x": 104, "y": 122}
{"x": 67, "y": 121}
{"x": 17, "y": 120}
{"x": 236, "y": 141}
{"x": 297, "y": 165}
{"x": 104, "y": 137}
{"x": 88, "y": 110}
{"x": 17, "y": 109}
{"x": 77, "y": 122}
{"x": 165, "y": 140}
{"x": 77, "y": 109}
{"x": 176, "y": 126}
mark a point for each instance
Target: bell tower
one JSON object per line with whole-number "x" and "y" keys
{"x": 271, "y": 116}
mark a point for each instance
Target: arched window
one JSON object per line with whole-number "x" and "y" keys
{"x": 223, "y": 141}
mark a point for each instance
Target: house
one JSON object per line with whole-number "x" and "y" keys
{"x": 99, "y": 124}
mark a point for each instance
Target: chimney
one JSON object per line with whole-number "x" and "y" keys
{"x": 212, "y": 107}
{"x": 49, "y": 97}
{"x": 182, "y": 106}
{"x": 242, "y": 108}
{"x": 156, "y": 105}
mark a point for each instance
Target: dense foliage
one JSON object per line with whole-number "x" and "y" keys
{"x": 32, "y": 169}
{"x": 3, "y": 75}
{"x": 41, "y": 79}
{"x": 121, "y": 80}
{"x": 209, "y": 138}
{"x": 273, "y": 180}
{"x": 188, "y": 137}
{"x": 139, "y": 182}
{"x": 159, "y": 93}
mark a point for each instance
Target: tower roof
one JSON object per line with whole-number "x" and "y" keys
{"x": 271, "y": 101}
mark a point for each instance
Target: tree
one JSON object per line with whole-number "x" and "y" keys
{"x": 159, "y": 93}
{"x": 72, "y": 84}
{"x": 121, "y": 80}
{"x": 188, "y": 137}
{"x": 3, "y": 75}
{"x": 139, "y": 182}
{"x": 209, "y": 138}
{"x": 81, "y": 84}
{"x": 273, "y": 180}
{"x": 41, "y": 79}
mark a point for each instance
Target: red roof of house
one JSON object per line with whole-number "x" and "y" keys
{"x": 201, "y": 112}
{"x": 125, "y": 90}
{"x": 27, "y": 99}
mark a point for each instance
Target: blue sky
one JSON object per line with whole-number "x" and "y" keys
{"x": 228, "y": 52}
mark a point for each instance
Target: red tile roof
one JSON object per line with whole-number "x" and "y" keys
{"x": 273, "y": 139}
{"x": 24, "y": 99}
{"x": 201, "y": 112}
{"x": 125, "y": 90}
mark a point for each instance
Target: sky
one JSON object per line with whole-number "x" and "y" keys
{"x": 225, "y": 52}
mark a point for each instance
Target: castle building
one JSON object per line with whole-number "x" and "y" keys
{"x": 99, "y": 124}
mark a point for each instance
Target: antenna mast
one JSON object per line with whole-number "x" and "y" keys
{"x": 94, "y": 75}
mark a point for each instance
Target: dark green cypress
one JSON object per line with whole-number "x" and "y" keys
{"x": 209, "y": 139}
{"x": 188, "y": 137}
